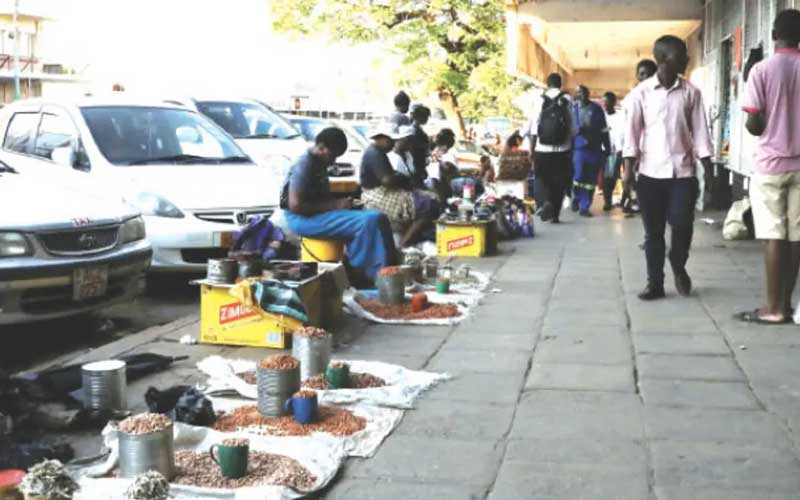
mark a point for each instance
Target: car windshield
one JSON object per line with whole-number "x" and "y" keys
{"x": 470, "y": 147}
{"x": 247, "y": 120}
{"x": 133, "y": 135}
{"x": 309, "y": 128}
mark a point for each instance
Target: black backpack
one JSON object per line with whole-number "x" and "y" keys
{"x": 554, "y": 121}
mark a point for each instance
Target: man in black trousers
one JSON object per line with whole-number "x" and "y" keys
{"x": 667, "y": 132}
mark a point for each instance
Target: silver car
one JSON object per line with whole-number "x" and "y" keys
{"x": 65, "y": 251}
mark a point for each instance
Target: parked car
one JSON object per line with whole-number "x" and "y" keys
{"x": 189, "y": 179}
{"x": 468, "y": 154}
{"x": 346, "y": 169}
{"x": 65, "y": 251}
{"x": 267, "y": 137}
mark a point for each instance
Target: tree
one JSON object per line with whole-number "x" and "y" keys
{"x": 443, "y": 42}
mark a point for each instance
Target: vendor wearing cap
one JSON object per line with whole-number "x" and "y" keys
{"x": 312, "y": 211}
{"x": 389, "y": 191}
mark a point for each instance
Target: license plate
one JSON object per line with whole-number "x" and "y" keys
{"x": 224, "y": 239}
{"x": 89, "y": 282}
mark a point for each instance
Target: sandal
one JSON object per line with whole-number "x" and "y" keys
{"x": 754, "y": 317}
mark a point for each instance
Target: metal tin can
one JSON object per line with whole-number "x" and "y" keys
{"x": 274, "y": 387}
{"x": 223, "y": 271}
{"x": 314, "y": 354}
{"x": 392, "y": 288}
{"x": 105, "y": 385}
{"x": 139, "y": 453}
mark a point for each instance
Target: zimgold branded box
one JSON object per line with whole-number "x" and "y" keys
{"x": 225, "y": 320}
{"x": 461, "y": 239}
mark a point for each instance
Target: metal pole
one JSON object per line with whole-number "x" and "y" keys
{"x": 16, "y": 51}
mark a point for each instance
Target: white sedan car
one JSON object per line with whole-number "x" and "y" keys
{"x": 190, "y": 180}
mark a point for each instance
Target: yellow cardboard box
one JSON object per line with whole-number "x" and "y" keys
{"x": 461, "y": 239}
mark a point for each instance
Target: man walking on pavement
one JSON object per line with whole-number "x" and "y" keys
{"x": 667, "y": 132}
{"x": 616, "y": 129}
{"x": 772, "y": 104}
{"x": 590, "y": 148}
{"x": 550, "y": 132}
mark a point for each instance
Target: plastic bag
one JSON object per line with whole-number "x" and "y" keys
{"x": 182, "y": 403}
{"x": 735, "y": 227}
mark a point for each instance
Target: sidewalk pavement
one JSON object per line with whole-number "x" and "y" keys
{"x": 568, "y": 387}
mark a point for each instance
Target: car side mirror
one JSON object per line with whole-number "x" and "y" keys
{"x": 64, "y": 155}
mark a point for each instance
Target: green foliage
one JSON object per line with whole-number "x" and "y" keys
{"x": 450, "y": 46}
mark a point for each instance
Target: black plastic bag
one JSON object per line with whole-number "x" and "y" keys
{"x": 183, "y": 403}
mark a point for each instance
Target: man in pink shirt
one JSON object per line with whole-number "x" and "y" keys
{"x": 772, "y": 104}
{"x": 667, "y": 132}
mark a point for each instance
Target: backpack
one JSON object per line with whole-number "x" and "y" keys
{"x": 553, "y": 127}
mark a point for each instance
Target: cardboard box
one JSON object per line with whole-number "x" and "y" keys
{"x": 461, "y": 239}
{"x": 225, "y": 320}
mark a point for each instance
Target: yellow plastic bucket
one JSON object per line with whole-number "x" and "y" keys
{"x": 319, "y": 250}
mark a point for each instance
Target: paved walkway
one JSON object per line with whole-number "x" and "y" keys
{"x": 568, "y": 387}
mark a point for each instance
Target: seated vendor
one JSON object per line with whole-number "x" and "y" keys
{"x": 410, "y": 211}
{"x": 312, "y": 211}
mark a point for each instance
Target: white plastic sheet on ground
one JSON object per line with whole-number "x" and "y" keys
{"x": 464, "y": 293}
{"x": 403, "y": 386}
{"x": 380, "y": 423}
{"x": 322, "y": 456}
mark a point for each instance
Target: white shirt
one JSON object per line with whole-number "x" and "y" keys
{"x": 403, "y": 165}
{"x": 616, "y": 129}
{"x": 533, "y": 124}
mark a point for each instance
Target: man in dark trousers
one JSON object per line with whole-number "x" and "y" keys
{"x": 550, "y": 131}
{"x": 667, "y": 132}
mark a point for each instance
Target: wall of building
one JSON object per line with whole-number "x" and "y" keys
{"x": 719, "y": 44}
{"x": 619, "y": 81}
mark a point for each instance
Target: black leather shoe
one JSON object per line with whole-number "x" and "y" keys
{"x": 652, "y": 292}
{"x": 683, "y": 282}
{"x": 586, "y": 213}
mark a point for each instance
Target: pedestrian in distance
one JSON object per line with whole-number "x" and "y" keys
{"x": 420, "y": 144}
{"x": 645, "y": 69}
{"x": 400, "y": 116}
{"x": 772, "y": 104}
{"x": 667, "y": 132}
{"x": 616, "y": 130}
{"x": 550, "y": 132}
{"x": 590, "y": 148}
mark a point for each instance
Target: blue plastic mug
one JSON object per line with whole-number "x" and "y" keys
{"x": 304, "y": 409}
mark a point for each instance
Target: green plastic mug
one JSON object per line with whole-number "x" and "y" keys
{"x": 443, "y": 286}
{"x": 338, "y": 377}
{"x": 232, "y": 460}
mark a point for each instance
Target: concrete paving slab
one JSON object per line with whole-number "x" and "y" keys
{"x": 430, "y": 459}
{"x": 678, "y": 344}
{"x": 564, "y": 415}
{"x": 406, "y": 330}
{"x": 748, "y": 428}
{"x": 608, "y": 452}
{"x": 586, "y": 349}
{"x": 679, "y": 493}
{"x": 481, "y": 388}
{"x": 470, "y": 339}
{"x": 391, "y": 489}
{"x": 462, "y": 361}
{"x": 579, "y": 377}
{"x": 696, "y": 465}
{"x": 562, "y": 482}
{"x": 728, "y": 395}
{"x": 482, "y": 323}
{"x": 457, "y": 420}
{"x": 716, "y": 368}
{"x": 407, "y": 345}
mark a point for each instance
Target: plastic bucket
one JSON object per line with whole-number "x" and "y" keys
{"x": 274, "y": 387}
{"x": 139, "y": 453}
{"x": 105, "y": 385}
{"x": 319, "y": 250}
{"x": 314, "y": 354}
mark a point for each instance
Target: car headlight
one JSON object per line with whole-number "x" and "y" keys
{"x": 279, "y": 164}
{"x": 133, "y": 230}
{"x": 14, "y": 245}
{"x": 153, "y": 204}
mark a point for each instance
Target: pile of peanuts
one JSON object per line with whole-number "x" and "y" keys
{"x": 310, "y": 331}
{"x": 279, "y": 362}
{"x": 336, "y": 421}
{"x": 406, "y": 311}
{"x": 145, "y": 423}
